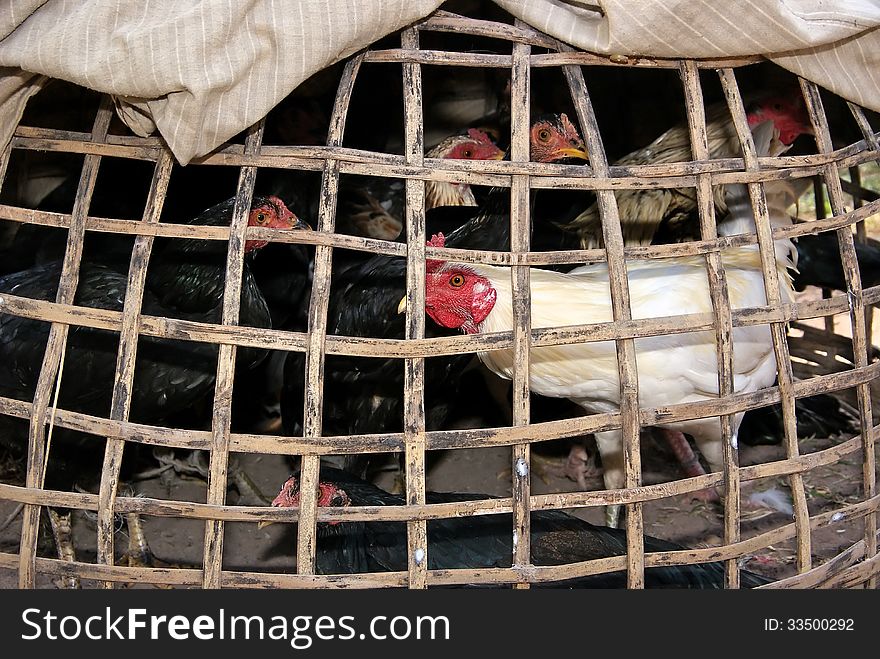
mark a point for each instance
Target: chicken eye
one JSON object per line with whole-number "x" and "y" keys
{"x": 468, "y": 153}
{"x": 261, "y": 218}
{"x": 544, "y": 135}
{"x": 456, "y": 281}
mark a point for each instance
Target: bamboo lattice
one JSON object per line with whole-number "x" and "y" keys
{"x": 859, "y": 564}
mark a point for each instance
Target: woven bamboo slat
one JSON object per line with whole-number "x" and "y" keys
{"x": 318, "y": 325}
{"x": 847, "y": 367}
{"x": 857, "y": 305}
{"x": 720, "y": 305}
{"x": 120, "y": 404}
{"x": 522, "y": 308}
{"x": 414, "y": 369}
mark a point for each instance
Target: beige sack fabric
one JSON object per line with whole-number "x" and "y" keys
{"x": 201, "y": 71}
{"x": 834, "y": 43}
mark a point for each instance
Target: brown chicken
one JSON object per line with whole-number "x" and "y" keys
{"x": 643, "y": 211}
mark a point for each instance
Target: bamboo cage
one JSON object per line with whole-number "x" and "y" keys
{"x": 529, "y": 50}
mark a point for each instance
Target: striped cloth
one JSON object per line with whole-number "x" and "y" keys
{"x": 200, "y": 71}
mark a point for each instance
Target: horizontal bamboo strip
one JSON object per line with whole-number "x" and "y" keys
{"x": 491, "y": 60}
{"x": 543, "y": 574}
{"x": 191, "y": 510}
{"x": 486, "y": 172}
{"x": 588, "y": 59}
{"x": 193, "y": 577}
{"x": 79, "y": 136}
{"x": 56, "y": 145}
{"x": 170, "y": 230}
{"x": 444, "y": 21}
{"x": 444, "y": 439}
{"x": 856, "y": 575}
{"x": 186, "y": 330}
{"x": 151, "y": 575}
{"x": 532, "y": 574}
{"x": 822, "y": 574}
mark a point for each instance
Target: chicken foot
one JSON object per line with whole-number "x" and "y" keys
{"x": 577, "y": 466}
{"x": 195, "y": 464}
{"x": 63, "y": 536}
{"x": 689, "y": 462}
{"x": 139, "y": 553}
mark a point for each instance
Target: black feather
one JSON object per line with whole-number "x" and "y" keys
{"x": 486, "y": 541}
{"x": 819, "y": 262}
{"x": 184, "y": 280}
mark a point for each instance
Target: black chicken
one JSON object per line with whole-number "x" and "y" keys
{"x": 363, "y": 395}
{"x": 185, "y": 280}
{"x": 480, "y": 541}
{"x": 819, "y": 262}
{"x": 368, "y": 206}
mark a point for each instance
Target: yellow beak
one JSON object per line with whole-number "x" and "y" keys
{"x": 573, "y": 152}
{"x": 264, "y": 523}
{"x": 402, "y": 306}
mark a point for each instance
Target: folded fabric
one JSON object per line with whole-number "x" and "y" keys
{"x": 201, "y": 71}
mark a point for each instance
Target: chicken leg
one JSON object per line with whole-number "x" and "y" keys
{"x": 689, "y": 462}
{"x": 139, "y": 553}
{"x": 577, "y": 466}
{"x": 63, "y": 536}
{"x": 706, "y": 433}
{"x": 610, "y": 444}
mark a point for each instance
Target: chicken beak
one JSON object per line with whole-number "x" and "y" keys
{"x": 300, "y": 224}
{"x": 574, "y": 152}
{"x": 401, "y": 308}
{"x": 264, "y": 523}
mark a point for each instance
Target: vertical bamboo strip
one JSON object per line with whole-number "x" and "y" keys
{"x": 721, "y": 305}
{"x": 860, "y": 340}
{"x": 855, "y": 175}
{"x": 819, "y": 198}
{"x": 874, "y": 144}
{"x": 620, "y": 306}
{"x": 414, "y": 369}
{"x": 774, "y": 298}
{"x": 4, "y": 163}
{"x": 317, "y": 326}
{"x": 218, "y": 470}
{"x": 120, "y": 404}
{"x": 520, "y": 231}
{"x": 52, "y": 366}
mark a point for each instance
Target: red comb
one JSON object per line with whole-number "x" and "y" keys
{"x": 437, "y": 240}
{"x": 478, "y": 136}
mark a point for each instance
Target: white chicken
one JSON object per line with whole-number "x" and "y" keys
{"x": 673, "y": 368}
